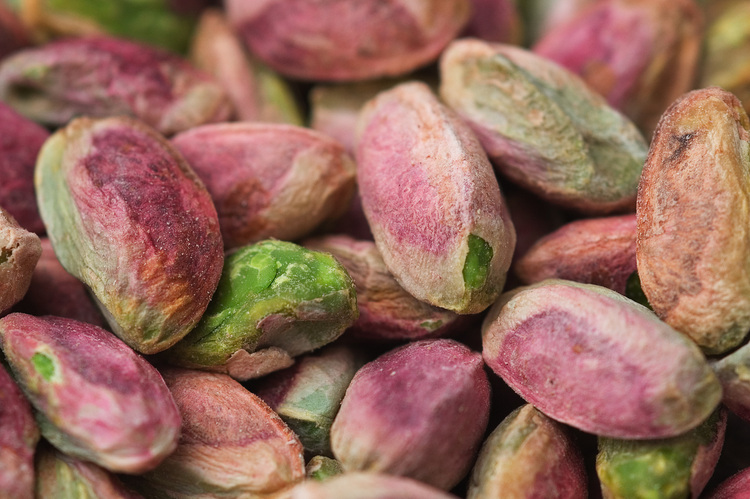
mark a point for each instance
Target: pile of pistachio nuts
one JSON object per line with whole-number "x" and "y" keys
{"x": 374, "y": 249}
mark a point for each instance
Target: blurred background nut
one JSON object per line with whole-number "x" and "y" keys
{"x": 96, "y": 399}
{"x": 269, "y": 180}
{"x": 693, "y": 220}
{"x": 103, "y": 76}
{"x": 20, "y": 141}
{"x": 359, "y": 485}
{"x": 639, "y": 54}
{"x": 256, "y": 91}
{"x": 341, "y": 40}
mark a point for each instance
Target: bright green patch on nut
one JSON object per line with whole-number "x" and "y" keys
{"x": 44, "y": 365}
{"x": 477, "y": 263}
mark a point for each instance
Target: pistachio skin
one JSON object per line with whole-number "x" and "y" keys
{"x": 19, "y": 435}
{"x": 128, "y": 216}
{"x": 105, "y": 76}
{"x": 269, "y": 180}
{"x": 275, "y": 301}
{"x": 528, "y": 455}
{"x": 95, "y": 398}
{"x": 543, "y": 127}
{"x": 734, "y": 487}
{"x": 432, "y": 200}
{"x": 692, "y": 211}
{"x": 591, "y": 358}
{"x": 231, "y": 445}
{"x": 417, "y": 411}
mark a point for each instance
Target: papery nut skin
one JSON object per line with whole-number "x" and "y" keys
{"x": 528, "y": 455}
{"x": 386, "y": 311}
{"x": 19, "y": 253}
{"x": 693, "y": 218}
{"x": 671, "y": 468}
{"x": 232, "y": 444}
{"x": 257, "y": 92}
{"x": 360, "y": 485}
{"x": 432, "y": 200}
{"x": 95, "y": 398}
{"x": 269, "y": 180}
{"x": 593, "y": 251}
{"x": 102, "y": 77}
{"x": 640, "y": 55}
{"x": 591, "y": 358}
{"x": 542, "y": 126}
{"x": 276, "y": 300}
{"x": 59, "y": 476}
{"x": 53, "y": 291}
{"x": 19, "y": 146}
{"x": 308, "y": 394}
{"x": 19, "y": 435}
{"x": 418, "y": 411}
{"x": 128, "y": 216}
{"x": 343, "y": 41}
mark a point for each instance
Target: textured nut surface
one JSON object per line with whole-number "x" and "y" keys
{"x": 19, "y": 435}
{"x": 593, "y": 359}
{"x": 19, "y": 253}
{"x": 432, "y": 200}
{"x": 128, "y": 216}
{"x": 693, "y": 220}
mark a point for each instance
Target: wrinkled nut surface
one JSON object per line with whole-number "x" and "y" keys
{"x": 231, "y": 445}
{"x": 19, "y": 253}
{"x": 96, "y": 399}
{"x": 671, "y": 468}
{"x": 340, "y": 40}
{"x": 128, "y": 216}
{"x": 418, "y": 411}
{"x": 640, "y": 55}
{"x": 20, "y": 144}
{"x": 360, "y": 485}
{"x": 19, "y": 435}
{"x": 542, "y": 126}
{"x": 693, "y": 221}
{"x": 589, "y": 357}
{"x": 101, "y": 77}
{"x": 257, "y": 92}
{"x": 275, "y": 301}
{"x": 386, "y": 310}
{"x": 432, "y": 200}
{"x": 269, "y": 180}
{"x": 59, "y": 476}
{"x": 308, "y": 394}
{"x": 528, "y": 455}
{"x": 592, "y": 251}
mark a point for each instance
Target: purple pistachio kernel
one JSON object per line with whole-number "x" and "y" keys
{"x": 96, "y": 399}
{"x": 419, "y": 411}
{"x": 591, "y": 358}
